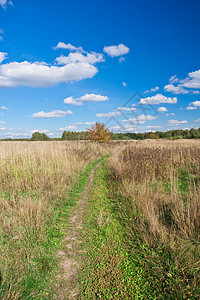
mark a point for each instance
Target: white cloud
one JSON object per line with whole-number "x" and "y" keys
{"x": 191, "y": 107}
{"x": 83, "y": 123}
{"x": 5, "y": 3}
{"x": 175, "y": 89}
{"x": 17, "y": 135}
{"x": 171, "y": 114}
{"x": 2, "y": 122}
{"x": 52, "y": 114}
{"x": 152, "y": 90}
{"x": 157, "y": 99}
{"x": 192, "y": 81}
{"x": 1, "y": 37}
{"x": 162, "y": 109}
{"x": 41, "y": 75}
{"x": 175, "y": 122}
{"x": 69, "y": 47}
{"x": 42, "y": 131}
{"x": 140, "y": 119}
{"x": 195, "y": 103}
{"x": 121, "y": 59}
{"x": 90, "y": 58}
{"x": 127, "y": 108}
{"x": 3, "y": 56}
{"x": 173, "y": 79}
{"x": 198, "y": 120}
{"x": 124, "y": 128}
{"x": 109, "y": 114}
{"x": 3, "y": 107}
{"x": 86, "y": 98}
{"x": 114, "y": 51}
{"x": 124, "y": 84}
{"x": 69, "y": 128}
{"x": 154, "y": 127}
{"x": 72, "y": 101}
{"x": 3, "y": 128}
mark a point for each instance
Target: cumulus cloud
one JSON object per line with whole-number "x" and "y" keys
{"x": 109, "y": 114}
{"x": 69, "y": 128}
{"x": 3, "y": 128}
{"x": 86, "y": 98}
{"x": 115, "y": 50}
{"x": 46, "y": 131}
{"x": 52, "y": 114}
{"x": 192, "y": 81}
{"x": 171, "y": 114}
{"x": 1, "y": 33}
{"x": 175, "y": 122}
{"x": 3, "y": 107}
{"x": 175, "y": 89}
{"x": 121, "y": 59}
{"x": 124, "y": 84}
{"x": 162, "y": 109}
{"x": 157, "y": 99}
{"x": 152, "y": 90}
{"x": 140, "y": 119}
{"x": 5, "y": 3}
{"x": 83, "y": 123}
{"x": 193, "y": 105}
{"x": 40, "y": 75}
{"x": 69, "y": 47}
{"x": 127, "y": 108}
{"x": 90, "y": 58}
{"x": 3, "y": 56}
{"x": 173, "y": 79}
{"x": 124, "y": 128}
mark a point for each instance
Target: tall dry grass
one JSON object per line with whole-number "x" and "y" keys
{"x": 34, "y": 178}
{"x": 159, "y": 184}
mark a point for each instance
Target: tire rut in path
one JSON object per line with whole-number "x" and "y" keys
{"x": 70, "y": 257}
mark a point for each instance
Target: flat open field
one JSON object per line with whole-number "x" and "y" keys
{"x": 81, "y": 220}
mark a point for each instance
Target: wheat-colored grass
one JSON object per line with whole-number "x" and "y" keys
{"x": 161, "y": 179}
{"x": 34, "y": 176}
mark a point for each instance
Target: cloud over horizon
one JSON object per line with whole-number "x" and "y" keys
{"x": 52, "y": 114}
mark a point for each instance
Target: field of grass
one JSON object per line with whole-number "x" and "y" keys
{"x": 35, "y": 179}
{"x": 141, "y": 227}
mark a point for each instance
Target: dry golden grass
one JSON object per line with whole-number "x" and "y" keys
{"x": 161, "y": 180}
{"x": 34, "y": 178}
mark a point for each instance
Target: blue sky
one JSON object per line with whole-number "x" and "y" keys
{"x": 65, "y": 65}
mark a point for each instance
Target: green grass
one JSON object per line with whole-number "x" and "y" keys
{"x": 108, "y": 268}
{"x": 118, "y": 264}
{"x": 31, "y": 276}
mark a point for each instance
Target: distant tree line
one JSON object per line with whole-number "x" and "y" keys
{"x": 172, "y": 134}
{"x": 85, "y": 135}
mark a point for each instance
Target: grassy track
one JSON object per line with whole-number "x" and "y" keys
{"x": 118, "y": 264}
{"x": 107, "y": 271}
{"x": 36, "y": 281}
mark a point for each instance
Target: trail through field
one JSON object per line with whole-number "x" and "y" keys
{"x": 70, "y": 257}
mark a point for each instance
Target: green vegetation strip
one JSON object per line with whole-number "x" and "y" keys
{"x": 117, "y": 263}
{"x": 108, "y": 268}
{"x": 31, "y": 276}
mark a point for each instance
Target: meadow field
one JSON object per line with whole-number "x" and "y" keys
{"x": 139, "y": 236}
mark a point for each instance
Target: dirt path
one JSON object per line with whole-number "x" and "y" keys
{"x": 70, "y": 258}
